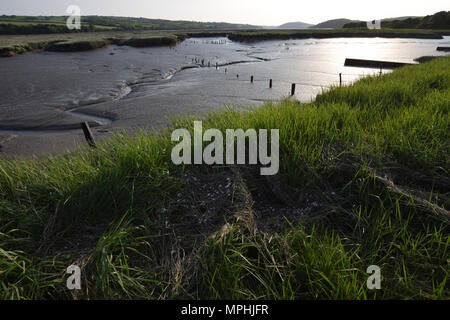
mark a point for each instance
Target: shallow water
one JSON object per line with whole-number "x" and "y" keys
{"x": 125, "y": 87}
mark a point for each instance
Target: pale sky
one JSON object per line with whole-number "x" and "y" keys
{"x": 257, "y": 12}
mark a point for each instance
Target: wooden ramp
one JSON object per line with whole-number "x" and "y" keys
{"x": 373, "y": 64}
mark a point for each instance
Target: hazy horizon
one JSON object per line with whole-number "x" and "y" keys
{"x": 262, "y": 12}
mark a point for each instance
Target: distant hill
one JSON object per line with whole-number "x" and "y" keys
{"x": 438, "y": 21}
{"x": 295, "y": 25}
{"x": 399, "y": 18}
{"x": 332, "y": 24}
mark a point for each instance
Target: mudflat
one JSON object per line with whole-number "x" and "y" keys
{"x": 45, "y": 95}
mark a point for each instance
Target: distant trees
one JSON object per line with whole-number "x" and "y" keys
{"x": 438, "y": 21}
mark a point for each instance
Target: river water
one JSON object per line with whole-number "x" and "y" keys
{"x": 45, "y": 93}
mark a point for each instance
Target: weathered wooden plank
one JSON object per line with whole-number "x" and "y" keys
{"x": 373, "y": 63}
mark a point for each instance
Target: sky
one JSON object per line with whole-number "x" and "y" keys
{"x": 256, "y": 12}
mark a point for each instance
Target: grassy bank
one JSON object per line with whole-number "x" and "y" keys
{"x": 364, "y": 180}
{"x": 18, "y": 44}
{"x": 259, "y": 35}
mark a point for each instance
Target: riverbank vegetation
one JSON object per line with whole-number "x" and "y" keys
{"x": 12, "y": 45}
{"x": 260, "y": 35}
{"x": 364, "y": 180}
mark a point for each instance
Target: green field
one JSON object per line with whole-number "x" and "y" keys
{"x": 364, "y": 180}
{"x": 57, "y": 24}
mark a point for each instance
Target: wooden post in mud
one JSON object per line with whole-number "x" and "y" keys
{"x": 217, "y": 66}
{"x": 237, "y": 76}
{"x": 225, "y": 70}
{"x": 293, "y": 89}
{"x": 340, "y": 79}
{"x": 251, "y": 79}
{"x": 88, "y": 134}
{"x": 270, "y": 83}
{"x": 381, "y": 69}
